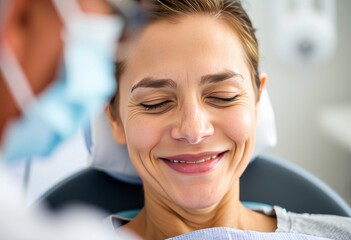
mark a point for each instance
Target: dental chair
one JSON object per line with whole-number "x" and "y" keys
{"x": 112, "y": 184}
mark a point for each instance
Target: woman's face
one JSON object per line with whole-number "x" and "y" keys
{"x": 187, "y": 110}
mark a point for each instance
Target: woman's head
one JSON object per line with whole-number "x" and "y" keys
{"x": 186, "y": 103}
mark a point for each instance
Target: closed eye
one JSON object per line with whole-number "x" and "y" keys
{"x": 220, "y": 102}
{"x": 151, "y": 107}
{"x": 231, "y": 99}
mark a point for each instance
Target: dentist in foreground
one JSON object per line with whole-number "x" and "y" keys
{"x": 56, "y": 70}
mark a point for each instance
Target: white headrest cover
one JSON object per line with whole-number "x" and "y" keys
{"x": 266, "y": 134}
{"x": 113, "y": 158}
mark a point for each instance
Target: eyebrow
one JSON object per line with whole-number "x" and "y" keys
{"x": 219, "y": 77}
{"x": 149, "y": 82}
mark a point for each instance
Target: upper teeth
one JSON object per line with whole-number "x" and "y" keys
{"x": 193, "y": 162}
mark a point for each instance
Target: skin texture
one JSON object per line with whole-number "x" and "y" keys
{"x": 188, "y": 116}
{"x": 32, "y": 29}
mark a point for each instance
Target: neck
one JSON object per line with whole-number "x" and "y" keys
{"x": 160, "y": 219}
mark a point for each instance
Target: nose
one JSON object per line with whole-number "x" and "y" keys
{"x": 193, "y": 125}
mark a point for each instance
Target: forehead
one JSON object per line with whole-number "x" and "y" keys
{"x": 191, "y": 45}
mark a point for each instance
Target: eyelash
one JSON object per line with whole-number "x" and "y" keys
{"x": 150, "y": 107}
{"x": 232, "y": 99}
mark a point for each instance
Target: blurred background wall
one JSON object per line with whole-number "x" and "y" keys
{"x": 312, "y": 103}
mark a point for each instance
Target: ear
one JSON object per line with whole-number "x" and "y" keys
{"x": 116, "y": 126}
{"x": 263, "y": 78}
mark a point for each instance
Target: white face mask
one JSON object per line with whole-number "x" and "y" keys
{"x": 84, "y": 85}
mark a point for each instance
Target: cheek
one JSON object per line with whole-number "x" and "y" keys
{"x": 142, "y": 134}
{"x": 239, "y": 124}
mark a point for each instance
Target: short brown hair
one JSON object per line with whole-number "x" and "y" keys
{"x": 231, "y": 11}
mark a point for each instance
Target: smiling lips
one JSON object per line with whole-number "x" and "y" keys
{"x": 191, "y": 164}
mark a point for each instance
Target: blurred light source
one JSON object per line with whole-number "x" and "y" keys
{"x": 304, "y": 30}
